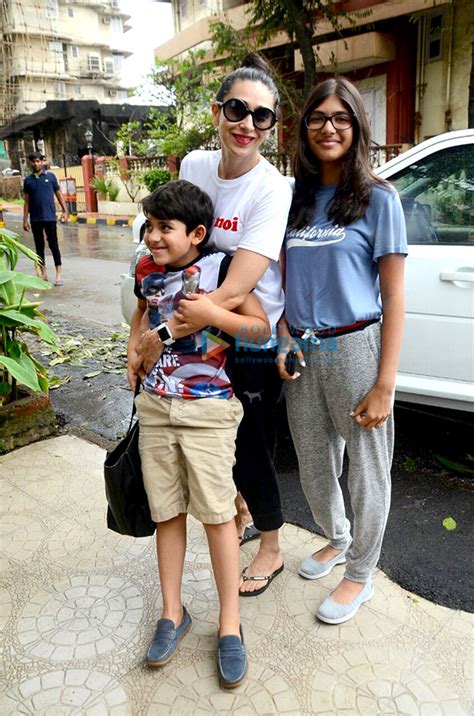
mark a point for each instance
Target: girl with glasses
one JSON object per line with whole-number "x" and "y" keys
{"x": 345, "y": 248}
{"x": 251, "y": 203}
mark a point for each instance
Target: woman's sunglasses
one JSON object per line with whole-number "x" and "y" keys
{"x": 235, "y": 110}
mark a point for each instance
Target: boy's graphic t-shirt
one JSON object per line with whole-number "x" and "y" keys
{"x": 194, "y": 366}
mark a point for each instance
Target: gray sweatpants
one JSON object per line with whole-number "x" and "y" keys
{"x": 339, "y": 373}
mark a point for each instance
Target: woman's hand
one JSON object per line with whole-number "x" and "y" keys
{"x": 286, "y": 343}
{"x": 374, "y": 409}
{"x": 195, "y": 312}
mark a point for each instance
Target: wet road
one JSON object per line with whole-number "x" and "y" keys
{"x": 418, "y": 552}
{"x": 112, "y": 243}
{"x": 93, "y": 259}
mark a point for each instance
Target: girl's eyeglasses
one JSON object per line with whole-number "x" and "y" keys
{"x": 235, "y": 110}
{"x": 340, "y": 121}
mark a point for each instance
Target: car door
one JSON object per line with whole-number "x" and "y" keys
{"x": 437, "y": 194}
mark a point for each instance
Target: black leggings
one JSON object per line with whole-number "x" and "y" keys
{"x": 258, "y": 386}
{"x": 39, "y": 228}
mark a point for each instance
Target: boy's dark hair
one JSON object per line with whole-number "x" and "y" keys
{"x": 34, "y": 155}
{"x": 181, "y": 200}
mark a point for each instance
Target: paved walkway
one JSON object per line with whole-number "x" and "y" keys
{"x": 79, "y": 604}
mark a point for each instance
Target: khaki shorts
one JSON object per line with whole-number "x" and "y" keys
{"x": 187, "y": 449}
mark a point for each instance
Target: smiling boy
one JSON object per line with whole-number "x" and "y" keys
{"x": 189, "y": 416}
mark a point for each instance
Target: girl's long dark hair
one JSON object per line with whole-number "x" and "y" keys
{"x": 352, "y": 195}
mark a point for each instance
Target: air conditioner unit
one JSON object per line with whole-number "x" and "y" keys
{"x": 112, "y": 93}
{"x": 106, "y": 19}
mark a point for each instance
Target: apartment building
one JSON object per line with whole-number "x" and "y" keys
{"x": 60, "y": 50}
{"x": 411, "y": 59}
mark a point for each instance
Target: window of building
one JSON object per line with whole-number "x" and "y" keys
{"x": 65, "y": 57}
{"x": 70, "y": 11}
{"x": 116, "y": 24}
{"x": 109, "y": 66}
{"x": 183, "y": 8}
{"x": 93, "y": 62}
{"x": 77, "y": 89}
{"x": 51, "y": 8}
{"x": 434, "y": 36}
{"x": 118, "y": 64}
{"x": 74, "y": 51}
{"x": 59, "y": 88}
{"x": 56, "y": 55}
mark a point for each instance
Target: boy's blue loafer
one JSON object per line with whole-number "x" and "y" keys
{"x": 166, "y": 640}
{"x": 310, "y": 568}
{"x": 231, "y": 660}
{"x": 333, "y": 613}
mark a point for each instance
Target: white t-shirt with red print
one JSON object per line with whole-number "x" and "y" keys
{"x": 250, "y": 212}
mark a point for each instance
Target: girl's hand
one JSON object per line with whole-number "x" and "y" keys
{"x": 374, "y": 409}
{"x": 286, "y": 343}
{"x": 195, "y": 312}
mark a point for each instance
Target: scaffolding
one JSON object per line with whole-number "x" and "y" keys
{"x": 35, "y": 55}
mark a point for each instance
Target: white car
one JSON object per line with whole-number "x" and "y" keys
{"x": 435, "y": 180}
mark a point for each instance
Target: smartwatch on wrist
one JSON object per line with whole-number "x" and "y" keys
{"x": 164, "y": 334}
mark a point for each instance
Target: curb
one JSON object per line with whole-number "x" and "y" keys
{"x": 75, "y": 219}
{"x": 92, "y": 221}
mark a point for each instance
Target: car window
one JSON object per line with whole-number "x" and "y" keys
{"x": 437, "y": 195}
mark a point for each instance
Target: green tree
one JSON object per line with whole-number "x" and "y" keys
{"x": 298, "y": 18}
{"x": 188, "y": 87}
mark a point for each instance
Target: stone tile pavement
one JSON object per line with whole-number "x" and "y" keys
{"x": 78, "y": 605}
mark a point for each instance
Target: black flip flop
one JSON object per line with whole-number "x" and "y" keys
{"x": 269, "y": 579}
{"x": 250, "y": 533}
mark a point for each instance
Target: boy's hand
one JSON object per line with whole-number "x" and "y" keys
{"x": 195, "y": 312}
{"x": 26, "y": 225}
{"x": 135, "y": 369}
{"x": 149, "y": 351}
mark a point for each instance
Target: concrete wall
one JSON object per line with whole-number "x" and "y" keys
{"x": 446, "y": 81}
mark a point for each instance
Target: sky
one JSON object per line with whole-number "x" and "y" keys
{"x": 151, "y": 25}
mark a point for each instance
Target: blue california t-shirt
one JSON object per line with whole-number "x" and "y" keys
{"x": 331, "y": 270}
{"x": 41, "y": 189}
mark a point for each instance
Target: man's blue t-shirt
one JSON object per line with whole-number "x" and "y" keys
{"x": 332, "y": 275}
{"x": 41, "y": 189}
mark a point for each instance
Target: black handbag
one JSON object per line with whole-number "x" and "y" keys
{"x": 128, "y": 512}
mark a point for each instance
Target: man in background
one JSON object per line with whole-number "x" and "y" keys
{"x": 39, "y": 189}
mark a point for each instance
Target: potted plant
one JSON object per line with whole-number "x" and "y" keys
{"x": 25, "y": 410}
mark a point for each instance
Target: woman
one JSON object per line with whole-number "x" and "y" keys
{"x": 251, "y": 203}
{"x": 345, "y": 250}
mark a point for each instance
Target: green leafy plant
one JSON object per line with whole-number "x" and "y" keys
{"x": 155, "y": 178}
{"x": 101, "y": 185}
{"x": 18, "y": 317}
{"x": 113, "y": 191}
